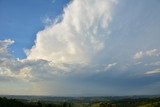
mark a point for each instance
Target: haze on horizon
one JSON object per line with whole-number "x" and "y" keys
{"x": 79, "y": 47}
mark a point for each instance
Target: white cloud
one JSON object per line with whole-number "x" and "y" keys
{"x": 47, "y": 21}
{"x": 4, "y": 48}
{"x": 139, "y": 55}
{"x": 22, "y": 69}
{"x": 137, "y": 63}
{"x": 155, "y": 71}
{"x": 149, "y": 53}
{"x": 154, "y": 52}
{"x": 109, "y": 66}
{"x": 26, "y": 72}
{"x": 80, "y": 35}
{"x": 157, "y": 63}
{"x": 5, "y": 58}
{"x": 5, "y": 43}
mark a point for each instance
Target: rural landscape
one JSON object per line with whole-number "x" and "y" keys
{"x": 39, "y": 101}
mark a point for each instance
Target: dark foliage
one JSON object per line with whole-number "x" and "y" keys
{"x": 144, "y": 102}
{"x": 4, "y": 102}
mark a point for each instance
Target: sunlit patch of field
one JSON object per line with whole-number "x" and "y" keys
{"x": 155, "y": 104}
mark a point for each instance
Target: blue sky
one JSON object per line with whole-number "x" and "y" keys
{"x": 20, "y": 20}
{"x": 80, "y": 48}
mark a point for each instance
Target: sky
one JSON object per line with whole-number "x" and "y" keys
{"x": 79, "y": 47}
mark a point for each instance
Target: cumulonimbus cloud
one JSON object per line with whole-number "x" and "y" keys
{"x": 78, "y": 37}
{"x": 61, "y": 59}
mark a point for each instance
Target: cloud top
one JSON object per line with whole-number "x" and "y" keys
{"x": 80, "y": 35}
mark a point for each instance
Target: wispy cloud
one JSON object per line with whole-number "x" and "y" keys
{"x": 53, "y": 1}
{"x": 109, "y": 66}
{"x": 155, "y": 71}
{"x": 156, "y": 63}
{"x": 148, "y": 53}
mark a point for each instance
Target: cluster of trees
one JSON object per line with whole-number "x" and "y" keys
{"x": 4, "y": 102}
